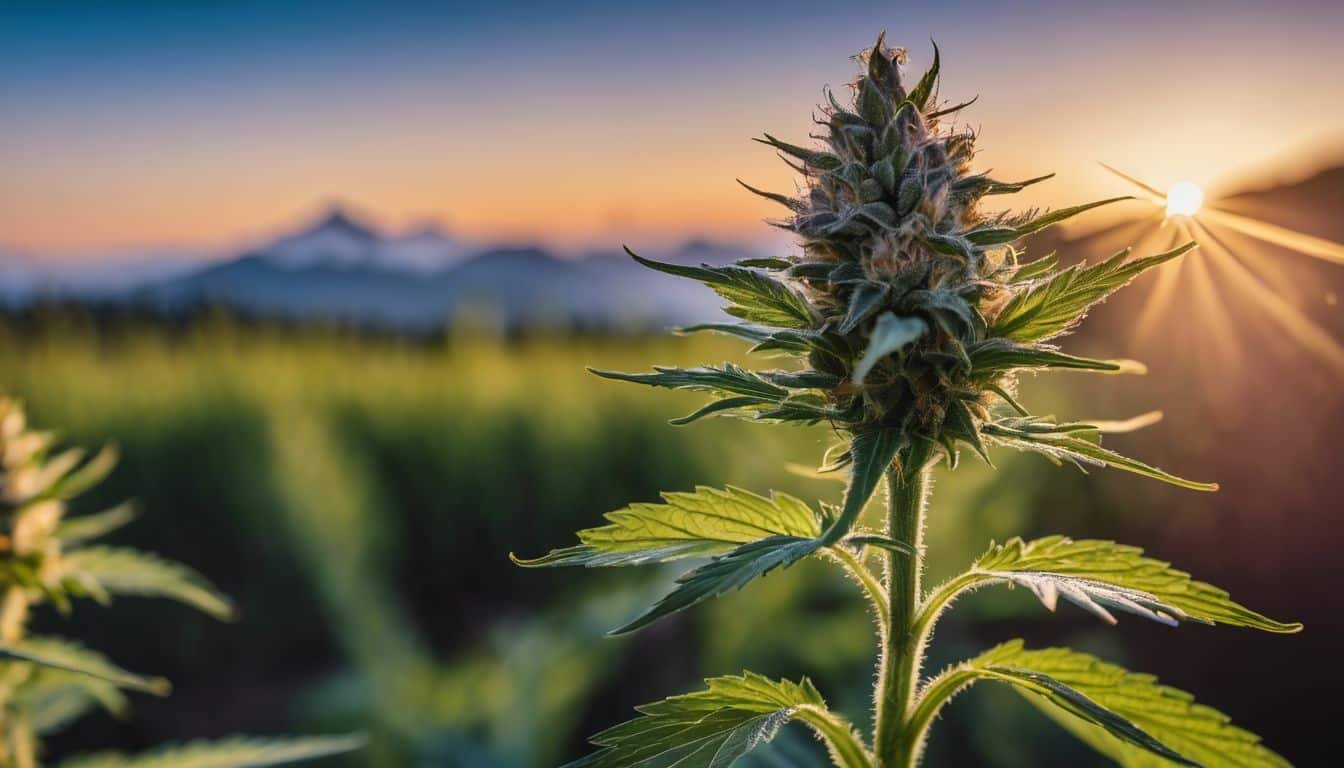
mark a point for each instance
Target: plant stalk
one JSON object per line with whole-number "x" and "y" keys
{"x": 902, "y": 652}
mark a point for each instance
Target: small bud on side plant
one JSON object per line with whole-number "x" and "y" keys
{"x": 48, "y": 558}
{"x": 908, "y": 314}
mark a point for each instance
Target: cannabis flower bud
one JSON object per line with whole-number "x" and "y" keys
{"x": 910, "y": 306}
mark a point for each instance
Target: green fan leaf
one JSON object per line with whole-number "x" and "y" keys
{"x": 924, "y": 89}
{"x": 991, "y": 236}
{"x": 714, "y": 727}
{"x": 752, "y": 333}
{"x": 52, "y": 698}
{"x": 796, "y": 206}
{"x": 1035, "y": 269}
{"x": 1012, "y": 187}
{"x": 1060, "y": 442}
{"x": 868, "y": 298}
{"x": 1132, "y": 712}
{"x": 1097, "y": 575}
{"x": 822, "y": 161}
{"x": 753, "y": 295}
{"x": 890, "y": 334}
{"x": 71, "y": 657}
{"x": 728, "y": 379}
{"x": 726, "y": 573}
{"x": 77, "y": 530}
{"x": 728, "y": 406}
{"x": 116, "y": 571}
{"x": 702, "y": 523}
{"x": 994, "y": 356}
{"x": 233, "y": 752}
{"x": 1058, "y": 302}
{"x": 93, "y": 472}
{"x": 871, "y": 453}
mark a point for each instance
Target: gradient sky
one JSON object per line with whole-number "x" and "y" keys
{"x": 584, "y": 123}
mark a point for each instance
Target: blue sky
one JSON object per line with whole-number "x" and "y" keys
{"x": 196, "y": 123}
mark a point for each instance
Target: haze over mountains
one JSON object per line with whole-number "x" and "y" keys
{"x": 342, "y": 269}
{"x": 339, "y": 268}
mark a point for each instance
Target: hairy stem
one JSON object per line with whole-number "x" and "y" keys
{"x": 939, "y": 599}
{"x": 902, "y": 650}
{"x": 846, "y": 749}
{"x": 871, "y": 586}
{"x": 938, "y": 692}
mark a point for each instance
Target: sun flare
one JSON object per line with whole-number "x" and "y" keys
{"x": 1237, "y": 269}
{"x": 1184, "y": 199}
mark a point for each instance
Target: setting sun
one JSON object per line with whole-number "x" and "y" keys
{"x": 1184, "y": 199}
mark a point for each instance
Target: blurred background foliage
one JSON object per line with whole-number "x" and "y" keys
{"x": 358, "y": 495}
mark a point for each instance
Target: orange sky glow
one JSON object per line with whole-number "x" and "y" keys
{"x": 581, "y": 157}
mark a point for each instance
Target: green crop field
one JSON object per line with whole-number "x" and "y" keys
{"x": 359, "y": 498}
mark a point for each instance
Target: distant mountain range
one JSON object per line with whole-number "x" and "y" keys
{"x": 341, "y": 269}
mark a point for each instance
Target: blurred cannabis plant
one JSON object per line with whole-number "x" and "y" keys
{"x": 909, "y": 314}
{"x": 46, "y": 558}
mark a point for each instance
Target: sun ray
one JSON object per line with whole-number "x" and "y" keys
{"x": 1124, "y": 234}
{"x": 1302, "y": 328}
{"x": 1168, "y": 276}
{"x": 1217, "y": 320}
{"x": 1158, "y": 196}
{"x": 1303, "y": 243}
{"x": 1268, "y": 265}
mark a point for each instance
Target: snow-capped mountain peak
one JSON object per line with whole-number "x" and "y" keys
{"x": 339, "y": 240}
{"x": 335, "y": 239}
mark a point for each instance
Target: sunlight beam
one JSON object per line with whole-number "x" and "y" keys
{"x": 1273, "y": 234}
{"x": 1168, "y": 276}
{"x": 1301, "y": 327}
{"x": 1218, "y": 318}
{"x": 1157, "y": 195}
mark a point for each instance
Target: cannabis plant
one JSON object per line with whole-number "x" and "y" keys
{"x": 908, "y": 315}
{"x": 47, "y": 558}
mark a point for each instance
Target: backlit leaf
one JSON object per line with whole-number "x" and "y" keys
{"x": 1058, "y": 441}
{"x": 726, "y": 573}
{"x": 706, "y": 729}
{"x": 1097, "y": 575}
{"x": 1001, "y": 355}
{"x": 1002, "y": 235}
{"x": 705, "y": 522}
{"x": 1132, "y": 712}
{"x": 1055, "y": 304}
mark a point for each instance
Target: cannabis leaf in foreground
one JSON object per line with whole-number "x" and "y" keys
{"x": 48, "y": 682}
{"x": 1096, "y": 575}
{"x": 108, "y": 571}
{"x": 714, "y": 727}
